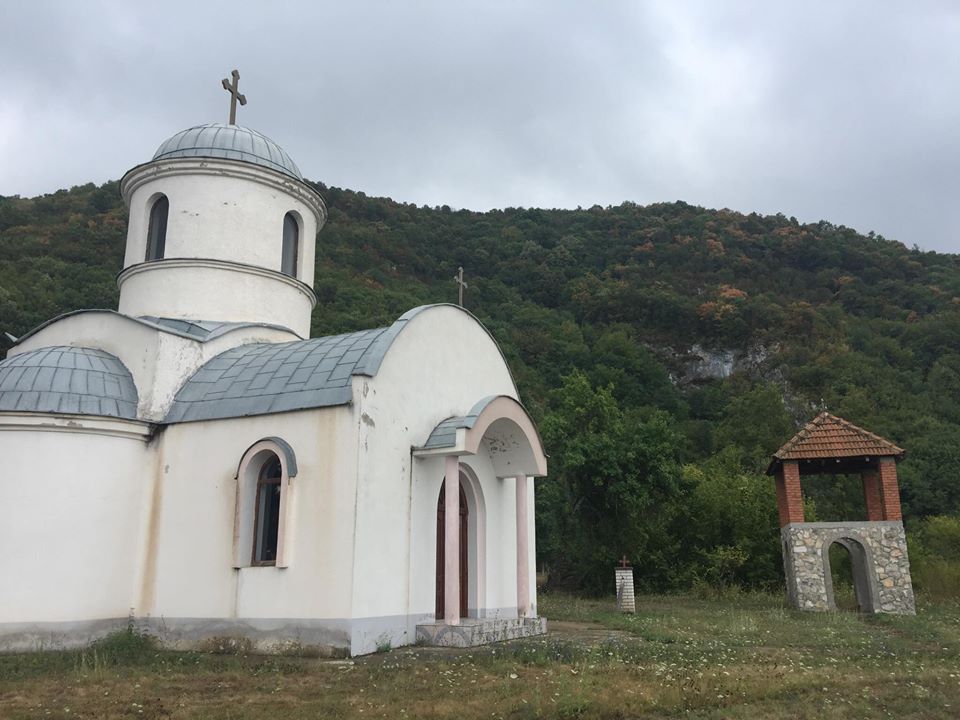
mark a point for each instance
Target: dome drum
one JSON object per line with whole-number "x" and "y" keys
{"x": 216, "y": 290}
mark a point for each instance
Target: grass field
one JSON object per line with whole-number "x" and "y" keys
{"x": 745, "y": 657}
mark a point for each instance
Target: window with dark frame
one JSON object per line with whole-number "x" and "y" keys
{"x": 267, "y": 519}
{"x": 291, "y": 245}
{"x": 157, "y": 229}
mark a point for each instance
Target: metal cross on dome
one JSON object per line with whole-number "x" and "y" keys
{"x": 233, "y": 89}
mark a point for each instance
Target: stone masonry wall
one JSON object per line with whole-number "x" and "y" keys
{"x": 878, "y": 552}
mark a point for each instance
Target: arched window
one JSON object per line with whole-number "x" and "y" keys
{"x": 291, "y": 245}
{"x": 267, "y": 517}
{"x": 157, "y": 229}
{"x": 264, "y": 496}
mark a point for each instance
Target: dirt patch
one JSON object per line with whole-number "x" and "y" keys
{"x": 587, "y": 632}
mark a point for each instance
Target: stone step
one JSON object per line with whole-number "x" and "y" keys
{"x": 472, "y": 632}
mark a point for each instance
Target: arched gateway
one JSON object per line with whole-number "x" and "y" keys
{"x": 829, "y": 445}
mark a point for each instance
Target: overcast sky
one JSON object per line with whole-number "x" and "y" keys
{"x": 844, "y": 111}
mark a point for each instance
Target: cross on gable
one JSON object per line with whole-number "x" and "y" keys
{"x": 233, "y": 89}
{"x": 458, "y": 278}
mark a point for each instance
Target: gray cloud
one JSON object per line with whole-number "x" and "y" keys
{"x": 838, "y": 111}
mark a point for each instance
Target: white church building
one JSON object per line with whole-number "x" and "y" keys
{"x": 195, "y": 464}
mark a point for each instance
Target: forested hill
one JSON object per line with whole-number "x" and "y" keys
{"x": 620, "y": 324}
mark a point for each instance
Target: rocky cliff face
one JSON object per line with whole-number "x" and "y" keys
{"x": 700, "y": 364}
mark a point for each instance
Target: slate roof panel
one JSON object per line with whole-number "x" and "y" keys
{"x": 445, "y": 433}
{"x": 262, "y": 378}
{"x": 62, "y": 379}
{"x": 302, "y": 374}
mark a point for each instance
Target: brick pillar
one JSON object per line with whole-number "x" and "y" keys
{"x": 871, "y": 495}
{"x": 889, "y": 489}
{"x": 789, "y": 494}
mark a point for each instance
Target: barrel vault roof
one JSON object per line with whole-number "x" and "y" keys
{"x": 264, "y": 378}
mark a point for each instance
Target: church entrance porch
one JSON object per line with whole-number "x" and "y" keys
{"x": 483, "y": 525}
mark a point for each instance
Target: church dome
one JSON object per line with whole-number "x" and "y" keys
{"x": 232, "y": 142}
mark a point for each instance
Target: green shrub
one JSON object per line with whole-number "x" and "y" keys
{"x": 935, "y": 556}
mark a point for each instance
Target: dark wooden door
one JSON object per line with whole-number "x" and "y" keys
{"x": 441, "y": 554}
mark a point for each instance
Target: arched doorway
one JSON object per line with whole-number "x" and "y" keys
{"x": 846, "y": 575}
{"x": 441, "y": 555}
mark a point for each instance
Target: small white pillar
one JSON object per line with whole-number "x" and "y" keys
{"x": 624, "y": 579}
{"x": 523, "y": 549}
{"x": 451, "y": 541}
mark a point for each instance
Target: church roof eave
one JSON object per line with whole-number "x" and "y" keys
{"x": 211, "y": 329}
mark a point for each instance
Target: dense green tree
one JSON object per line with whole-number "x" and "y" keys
{"x": 613, "y": 488}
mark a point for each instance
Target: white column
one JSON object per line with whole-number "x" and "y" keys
{"x": 523, "y": 549}
{"x": 451, "y": 541}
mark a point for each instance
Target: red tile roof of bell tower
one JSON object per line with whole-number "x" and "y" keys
{"x": 828, "y": 436}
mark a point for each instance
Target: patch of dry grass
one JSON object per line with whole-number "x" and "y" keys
{"x": 745, "y": 657}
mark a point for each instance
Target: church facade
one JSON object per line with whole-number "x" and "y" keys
{"x": 195, "y": 464}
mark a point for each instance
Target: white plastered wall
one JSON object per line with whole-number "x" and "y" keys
{"x": 72, "y": 488}
{"x": 189, "y": 553}
{"x": 215, "y": 290}
{"x": 439, "y": 365}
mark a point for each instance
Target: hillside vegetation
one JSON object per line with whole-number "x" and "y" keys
{"x": 609, "y": 318}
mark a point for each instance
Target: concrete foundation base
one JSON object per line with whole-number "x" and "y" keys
{"x": 471, "y": 632}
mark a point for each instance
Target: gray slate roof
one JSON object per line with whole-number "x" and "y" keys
{"x": 232, "y": 142}
{"x": 72, "y": 380}
{"x": 267, "y": 377}
{"x": 263, "y": 378}
{"x": 445, "y": 433}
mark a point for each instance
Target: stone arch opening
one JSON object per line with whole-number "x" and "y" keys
{"x": 846, "y": 560}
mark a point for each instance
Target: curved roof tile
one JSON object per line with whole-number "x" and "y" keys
{"x": 445, "y": 433}
{"x": 69, "y": 380}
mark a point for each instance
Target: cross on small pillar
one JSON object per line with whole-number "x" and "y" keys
{"x": 233, "y": 89}
{"x": 624, "y": 579}
{"x": 458, "y": 279}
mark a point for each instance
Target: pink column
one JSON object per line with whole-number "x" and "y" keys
{"x": 451, "y": 541}
{"x": 523, "y": 549}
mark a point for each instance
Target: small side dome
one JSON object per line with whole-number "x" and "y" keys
{"x": 69, "y": 380}
{"x": 230, "y": 142}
